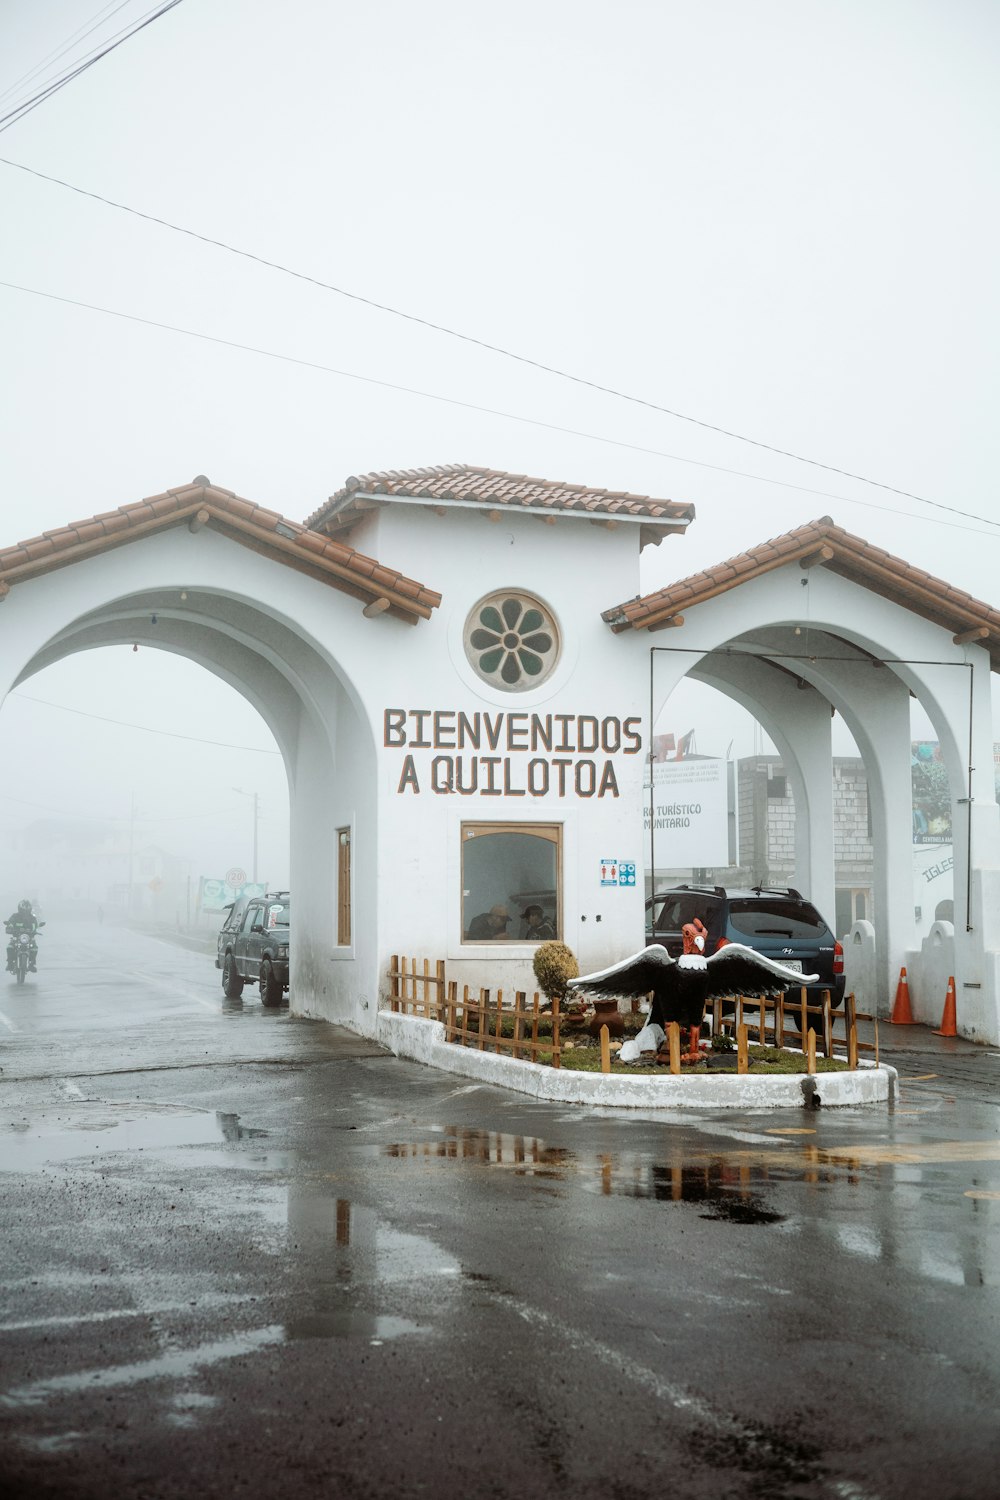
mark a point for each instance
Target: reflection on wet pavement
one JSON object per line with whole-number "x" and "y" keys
{"x": 721, "y": 1180}
{"x": 728, "y": 1185}
{"x": 350, "y": 1255}
{"x": 347, "y": 1323}
{"x": 99, "y": 1129}
{"x": 525, "y": 1154}
{"x": 724, "y": 1190}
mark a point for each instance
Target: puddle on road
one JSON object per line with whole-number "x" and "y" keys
{"x": 725, "y": 1191}
{"x": 349, "y": 1323}
{"x": 525, "y": 1156}
{"x": 351, "y": 1257}
{"x": 98, "y": 1131}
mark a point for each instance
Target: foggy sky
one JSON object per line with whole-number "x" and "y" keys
{"x": 780, "y": 218}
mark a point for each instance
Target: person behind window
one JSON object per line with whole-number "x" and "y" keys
{"x": 490, "y": 925}
{"x": 538, "y": 929}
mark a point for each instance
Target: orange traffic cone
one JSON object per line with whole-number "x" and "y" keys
{"x": 948, "y": 1027}
{"x": 902, "y": 1015}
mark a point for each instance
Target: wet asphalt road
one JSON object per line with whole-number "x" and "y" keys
{"x": 249, "y": 1255}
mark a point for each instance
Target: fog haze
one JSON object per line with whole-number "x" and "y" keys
{"x": 780, "y": 219}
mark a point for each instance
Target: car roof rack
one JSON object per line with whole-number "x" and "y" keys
{"x": 708, "y": 890}
{"x": 778, "y": 890}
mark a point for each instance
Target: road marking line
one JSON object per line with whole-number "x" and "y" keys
{"x": 176, "y": 1363}
{"x": 979, "y": 1193}
{"x": 799, "y": 1131}
{"x": 688, "y": 1403}
{"x": 706, "y": 1127}
{"x": 916, "y": 1077}
{"x": 112, "y": 1314}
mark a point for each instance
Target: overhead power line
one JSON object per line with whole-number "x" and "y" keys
{"x": 56, "y": 52}
{"x": 479, "y": 343}
{"x": 144, "y": 728}
{"x": 211, "y": 815}
{"x": 25, "y": 106}
{"x": 507, "y": 416}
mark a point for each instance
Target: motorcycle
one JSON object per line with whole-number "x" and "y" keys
{"x": 24, "y": 950}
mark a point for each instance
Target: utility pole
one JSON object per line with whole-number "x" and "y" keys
{"x": 256, "y": 815}
{"x": 255, "y": 808}
{"x": 131, "y": 858}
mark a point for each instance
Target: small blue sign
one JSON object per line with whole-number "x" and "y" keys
{"x": 626, "y": 873}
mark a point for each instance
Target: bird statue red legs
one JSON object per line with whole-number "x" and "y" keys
{"x": 693, "y": 957}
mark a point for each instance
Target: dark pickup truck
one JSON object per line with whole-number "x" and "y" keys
{"x": 253, "y": 947}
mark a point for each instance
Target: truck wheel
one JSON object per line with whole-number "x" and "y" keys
{"x": 270, "y": 988}
{"x": 232, "y": 984}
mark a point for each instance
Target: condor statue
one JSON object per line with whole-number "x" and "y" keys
{"x": 683, "y": 987}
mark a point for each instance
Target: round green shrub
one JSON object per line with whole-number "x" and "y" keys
{"x": 554, "y": 966}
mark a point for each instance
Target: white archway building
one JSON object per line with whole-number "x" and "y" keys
{"x": 480, "y": 743}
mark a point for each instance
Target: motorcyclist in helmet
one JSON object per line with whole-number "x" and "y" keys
{"x": 22, "y": 920}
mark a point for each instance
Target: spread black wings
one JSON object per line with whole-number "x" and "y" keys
{"x": 734, "y": 970}
{"x": 634, "y": 976}
{"x": 738, "y": 970}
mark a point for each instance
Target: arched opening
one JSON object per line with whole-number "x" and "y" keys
{"x": 321, "y": 741}
{"x": 133, "y": 782}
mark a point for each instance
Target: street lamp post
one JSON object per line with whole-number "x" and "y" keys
{"x": 256, "y": 805}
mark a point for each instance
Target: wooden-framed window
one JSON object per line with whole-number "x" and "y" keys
{"x": 343, "y": 887}
{"x": 511, "y": 882}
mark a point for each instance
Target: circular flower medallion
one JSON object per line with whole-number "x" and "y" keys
{"x": 511, "y": 641}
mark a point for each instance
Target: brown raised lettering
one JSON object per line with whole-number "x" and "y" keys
{"x": 409, "y": 776}
{"x": 394, "y": 728}
{"x": 442, "y": 729}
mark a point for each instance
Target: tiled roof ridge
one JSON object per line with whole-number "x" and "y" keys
{"x": 793, "y": 546}
{"x": 494, "y": 487}
{"x": 85, "y": 538}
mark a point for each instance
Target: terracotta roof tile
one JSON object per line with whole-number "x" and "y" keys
{"x": 62, "y": 536}
{"x": 853, "y": 558}
{"x": 490, "y": 488}
{"x": 291, "y": 543}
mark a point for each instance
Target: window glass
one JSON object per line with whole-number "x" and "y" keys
{"x": 511, "y": 882}
{"x": 677, "y": 910}
{"x": 343, "y": 887}
{"x": 252, "y": 916}
{"x": 278, "y": 914}
{"x": 775, "y": 919}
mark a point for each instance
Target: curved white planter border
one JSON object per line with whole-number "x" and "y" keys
{"x": 423, "y": 1041}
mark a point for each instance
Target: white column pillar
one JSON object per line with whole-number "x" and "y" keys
{"x": 798, "y": 720}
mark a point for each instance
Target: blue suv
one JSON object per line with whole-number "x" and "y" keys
{"x": 777, "y": 922}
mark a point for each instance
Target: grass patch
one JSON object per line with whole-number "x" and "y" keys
{"x": 585, "y": 1059}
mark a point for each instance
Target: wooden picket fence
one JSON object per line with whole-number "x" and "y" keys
{"x": 417, "y": 991}
{"x": 780, "y": 1021}
{"x": 417, "y": 987}
{"x": 477, "y": 1020}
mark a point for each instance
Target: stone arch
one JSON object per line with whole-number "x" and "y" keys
{"x": 866, "y": 652}
{"x": 252, "y": 636}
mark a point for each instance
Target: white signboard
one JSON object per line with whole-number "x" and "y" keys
{"x": 933, "y": 882}
{"x": 690, "y": 812}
